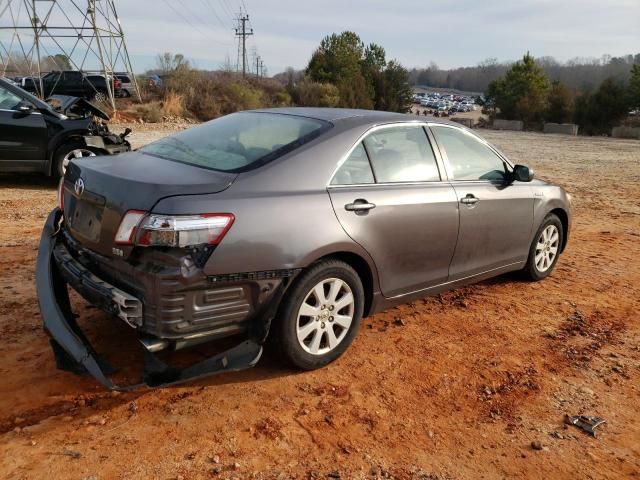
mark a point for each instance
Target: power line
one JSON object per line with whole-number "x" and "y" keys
{"x": 191, "y": 24}
{"x": 225, "y": 7}
{"x": 210, "y": 5}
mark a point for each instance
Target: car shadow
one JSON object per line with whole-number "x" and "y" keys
{"x": 27, "y": 181}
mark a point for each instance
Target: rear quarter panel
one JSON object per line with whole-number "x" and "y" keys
{"x": 271, "y": 231}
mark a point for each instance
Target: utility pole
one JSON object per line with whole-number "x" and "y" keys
{"x": 242, "y": 33}
{"x": 258, "y": 66}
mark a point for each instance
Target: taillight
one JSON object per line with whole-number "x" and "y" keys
{"x": 127, "y": 229}
{"x": 173, "y": 230}
{"x": 116, "y": 83}
{"x": 61, "y": 195}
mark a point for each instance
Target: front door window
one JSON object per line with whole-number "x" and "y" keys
{"x": 469, "y": 158}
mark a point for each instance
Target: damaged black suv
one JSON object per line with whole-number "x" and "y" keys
{"x": 37, "y": 136}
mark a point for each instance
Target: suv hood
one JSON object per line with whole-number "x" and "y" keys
{"x": 99, "y": 190}
{"x": 65, "y": 104}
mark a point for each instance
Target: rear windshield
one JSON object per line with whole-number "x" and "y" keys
{"x": 238, "y": 142}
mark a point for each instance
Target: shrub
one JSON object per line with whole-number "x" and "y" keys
{"x": 560, "y": 104}
{"x": 149, "y": 112}
{"x": 599, "y": 112}
{"x": 173, "y": 104}
{"x": 316, "y": 94}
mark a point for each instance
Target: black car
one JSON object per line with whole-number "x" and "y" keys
{"x": 36, "y": 136}
{"x": 75, "y": 83}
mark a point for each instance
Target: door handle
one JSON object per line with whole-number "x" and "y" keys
{"x": 470, "y": 199}
{"x": 359, "y": 205}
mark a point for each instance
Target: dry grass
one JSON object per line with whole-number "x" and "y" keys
{"x": 173, "y": 104}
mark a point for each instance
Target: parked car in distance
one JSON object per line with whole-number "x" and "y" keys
{"x": 74, "y": 83}
{"x": 27, "y": 83}
{"x": 126, "y": 85}
{"x": 38, "y": 137}
{"x": 153, "y": 81}
{"x": 291, "y": 223}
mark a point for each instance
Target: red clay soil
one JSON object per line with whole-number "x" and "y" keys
{"x": 474, "y": 383}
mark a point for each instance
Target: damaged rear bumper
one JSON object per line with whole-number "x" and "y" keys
{"x": 72, "y": 350}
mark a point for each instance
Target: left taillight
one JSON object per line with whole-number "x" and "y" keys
{"x": 61, "y": 195}
{"x": 152, "y": 230}
{"x": 128, "y": 226}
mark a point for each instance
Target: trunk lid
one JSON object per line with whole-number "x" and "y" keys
{"x": 99, "y": 190}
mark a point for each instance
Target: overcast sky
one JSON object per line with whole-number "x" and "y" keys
{"x": 449, "y": 32}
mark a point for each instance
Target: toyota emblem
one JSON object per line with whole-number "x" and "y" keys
{"x": 79, "y": 187}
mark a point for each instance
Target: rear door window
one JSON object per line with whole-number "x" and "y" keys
{"x": 402, "y": 154}
{"x": 355, "y": 170}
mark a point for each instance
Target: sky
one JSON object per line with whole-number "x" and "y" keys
{"x": 450, "y": 33}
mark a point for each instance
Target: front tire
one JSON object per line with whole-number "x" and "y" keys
{"x": 545, "y": 249}
{"x": 320, "y": 315}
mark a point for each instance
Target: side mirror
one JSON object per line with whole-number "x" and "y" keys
{"x": 522, "y": 173}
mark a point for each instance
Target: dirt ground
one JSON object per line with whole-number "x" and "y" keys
{"x": 470, "y": 384}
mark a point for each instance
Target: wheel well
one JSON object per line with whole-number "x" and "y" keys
{"x": 564, "y": 219}
{"x": 361, "y": 267}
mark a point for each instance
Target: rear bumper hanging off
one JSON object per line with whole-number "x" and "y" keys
{"x": 71, "y": 348}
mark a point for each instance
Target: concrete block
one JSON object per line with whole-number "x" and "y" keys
{"x": 562, "y": 128}
{"x": 626, "y": 132}
{"x": 467, "y": 122}
{"x": 499, "y": 124}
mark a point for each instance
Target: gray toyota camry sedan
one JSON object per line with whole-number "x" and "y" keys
{"x": 284, "y": 224}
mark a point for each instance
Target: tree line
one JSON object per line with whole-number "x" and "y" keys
{"x": 583, "y": 74}
{"x": 525, "y": 92}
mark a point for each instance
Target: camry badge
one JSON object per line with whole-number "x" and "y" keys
{"x": 79, "y": 187}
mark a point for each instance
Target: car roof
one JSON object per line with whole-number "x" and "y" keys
{"x": 363, "y": 117}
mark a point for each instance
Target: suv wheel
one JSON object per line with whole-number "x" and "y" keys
{"x": 545, "y": 249}
{"x": 100, "y": 97}
{"x": 320, "y": 315}
{"x": 68, "y": 152}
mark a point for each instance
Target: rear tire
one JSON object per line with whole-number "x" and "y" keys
{"x": 67, "y": 152}
{"x": 319, "y": 316}
{"x": 545, "y": 249}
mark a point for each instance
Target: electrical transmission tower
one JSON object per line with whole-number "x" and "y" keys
{"x": 37, "y": 36}
{"x": 242, "y": 33}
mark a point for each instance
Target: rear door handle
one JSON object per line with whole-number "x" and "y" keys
{"x": 470, "y": 199}
{"x": 359, "y": 205}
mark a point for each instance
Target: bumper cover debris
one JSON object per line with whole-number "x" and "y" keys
{"x": 71, "y": 348}
{"x": 586, "y": 423}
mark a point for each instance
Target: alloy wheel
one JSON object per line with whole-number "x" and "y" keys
{"x": 325, "y": 316}
{"x": 547, "y": 248}
{"x": 100, "y": 97}
{"x": 76, "y": 153}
